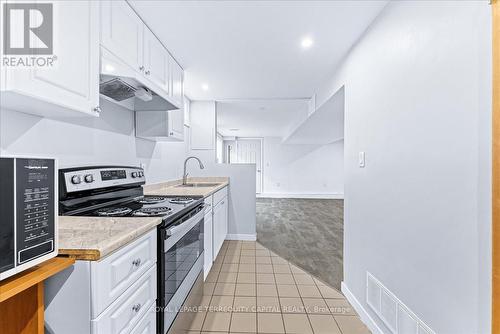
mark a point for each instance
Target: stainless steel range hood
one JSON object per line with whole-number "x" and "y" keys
{"x": 121, "y": 84}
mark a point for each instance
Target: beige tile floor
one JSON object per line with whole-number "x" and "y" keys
{"x": 252, "y": 290}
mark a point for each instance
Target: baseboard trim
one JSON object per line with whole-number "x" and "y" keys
{"x": 242, "y": 237}
{"x": 363, "y": 314}
{"x": 305, "y": 196}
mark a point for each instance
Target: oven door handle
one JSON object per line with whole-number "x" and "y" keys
{"x": 187, "y": 225}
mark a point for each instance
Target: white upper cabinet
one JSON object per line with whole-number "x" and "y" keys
{"x": 176, "y": 124}
{"x": 187, "y": 113}
{"x": 132, "y": 43}
{"x": 203, "y": 125}
{"x": 177, "y": 83}
{"x": 156, "y": 61}
{"x": 160, "y": 125}
{"x": 122, "y": 33}
{"x": 71, "y": 86}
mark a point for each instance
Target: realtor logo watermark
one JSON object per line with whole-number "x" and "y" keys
{"x": 28, "y": 35}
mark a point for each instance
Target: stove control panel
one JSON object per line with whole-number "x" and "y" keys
{"x": 102, "y": 177}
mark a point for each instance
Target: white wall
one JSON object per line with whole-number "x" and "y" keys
{"x": 418, "y": 216}
{"x": 110, "y": 140}
{"x": 241, "y": 219}
{"x": 298, "y": 170}
{"x": 106, "y": 140}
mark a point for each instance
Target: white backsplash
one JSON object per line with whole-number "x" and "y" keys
{"x": 107, "y": 140}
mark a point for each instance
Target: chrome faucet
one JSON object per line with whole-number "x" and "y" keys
{"x": 185, "y": 175}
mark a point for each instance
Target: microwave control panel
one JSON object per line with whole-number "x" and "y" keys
{"x": 35, "y": 208}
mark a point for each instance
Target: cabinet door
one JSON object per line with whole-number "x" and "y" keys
{"x": 176, "y": 124}
{"x": 187, "y": 114}
{"x": 73, "y": 82}
{"x": 224, "y": 209}
{"x": 208, "y": 242}
{"x": 146, "y": 325}
{"x": 122, "y": 32}
{"x": 203, "y": 116}
{"x": 177, "y": 83}
{"x": 218, "y": 228}
{"x": 117, "y": 272}
{"x": 129, "y": 308}
{"x": 156, "y": 61}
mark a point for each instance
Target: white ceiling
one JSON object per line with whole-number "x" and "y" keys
{"x": 273, "y": 118}
{"x": 251, "y": 49}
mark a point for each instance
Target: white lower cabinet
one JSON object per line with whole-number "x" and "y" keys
{"x": 207, "y": 241}
{"x": 148, "y": 324}
{"x": 130, "y": 308}
{"x": 115, "y": 273}
{"x": 115, "y": 295}
{"x": 216, "y": 218}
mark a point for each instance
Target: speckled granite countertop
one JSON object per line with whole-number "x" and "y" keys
{"x": 92, "y": 238}
{"x": 170, "y": 188}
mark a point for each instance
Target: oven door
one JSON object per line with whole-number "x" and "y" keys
{"x": 180, "y": 263}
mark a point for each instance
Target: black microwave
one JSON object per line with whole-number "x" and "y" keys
{"x": 28, "y": 213}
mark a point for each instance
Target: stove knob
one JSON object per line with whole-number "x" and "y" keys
{"x": 76, "y": 179}
{"x": 141, "y": 174}
{"x": 134, "y": 175}
{"x": 89, "y": 178}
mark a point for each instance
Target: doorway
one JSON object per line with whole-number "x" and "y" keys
{"x": 241, "y": 150}
{"x": 249, "y": 151}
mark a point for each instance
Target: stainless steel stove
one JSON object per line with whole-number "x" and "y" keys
{"x": 117, "y": 192}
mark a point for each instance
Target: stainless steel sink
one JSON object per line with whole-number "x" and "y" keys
{"x": 197, "y": 185}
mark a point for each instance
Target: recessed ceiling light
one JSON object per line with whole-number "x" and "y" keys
{"x": 204, "y": 87}
{"x": 234, "y": 129}
{"x": 307, "y": 42}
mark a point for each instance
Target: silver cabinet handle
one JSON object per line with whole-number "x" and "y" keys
{"x": 147, "y": 72}
{"x": 136, "y": 262}
{"x": 97, "y": 109}
{"x": 136, "y": 308}
{"x": 141, "y": 68}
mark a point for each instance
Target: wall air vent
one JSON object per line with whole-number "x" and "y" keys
{"x": 398, "y": 318}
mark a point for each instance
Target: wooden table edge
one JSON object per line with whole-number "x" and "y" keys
{"x": 32, "y": 276}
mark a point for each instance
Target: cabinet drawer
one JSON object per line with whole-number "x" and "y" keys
{"x": 208, "y": 204}
{"x": 147, "y": 325}
{"x": 219, "y": 196}
{"x": 129, "y": 308}
{"x": 111, "y": 276}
